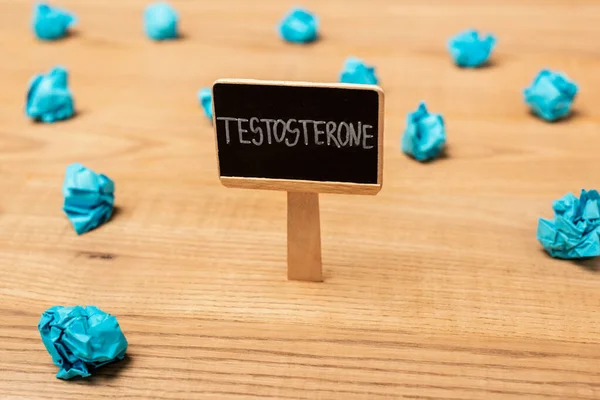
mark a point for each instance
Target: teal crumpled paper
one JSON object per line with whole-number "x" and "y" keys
{"x": 81, "y": 338}
{"x": 550, "y": 95}
{"x": 89, "y": 198}
{"x": 299, "y": 26}
{"x": 51, "y": 23}
{"x": 49, "y": 98}
{"x": 356, "y": 71}
{"x": 160, "y": 21}
{"x": 425, "y": 134}
{"x": 574, "y": 232}
{"x": 205, "y": 99}
{"x": 468, "y": 49}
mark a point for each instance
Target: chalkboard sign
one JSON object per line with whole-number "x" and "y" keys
{"x": 298, "y": 136}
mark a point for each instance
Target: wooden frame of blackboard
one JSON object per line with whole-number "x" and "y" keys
{"x": 294, "y": 185}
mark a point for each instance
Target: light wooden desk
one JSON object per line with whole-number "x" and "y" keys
{"x": 435, "y": 289}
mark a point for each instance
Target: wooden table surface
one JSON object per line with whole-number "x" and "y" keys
{"x": 434, "y": 289}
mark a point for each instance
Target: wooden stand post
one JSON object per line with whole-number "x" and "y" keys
{"x": 304, "y": 237}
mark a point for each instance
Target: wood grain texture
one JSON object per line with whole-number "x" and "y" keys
{"x": 436, "y": 288}
{"x": 304, "y": 262}
{"x": 301, "y": 186}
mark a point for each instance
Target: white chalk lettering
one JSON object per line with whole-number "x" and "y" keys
{"x": 279, "y": 139}
{"x": 290, "y": 130}
{"x": 354, "y": 134}
{"x": 366, "y": 136}
{"x": 304, "y": 122}
{"x": 339, "y": 133}
{"x": 256, "y": 130}
{"x": 329, "y": 133}
{"x": 262, "y": 131}
{"x": 227, "y": 119}
{"x": 318, "y": 132}
{"x": 267, "y": 121}
{"x": 241, "y": 131}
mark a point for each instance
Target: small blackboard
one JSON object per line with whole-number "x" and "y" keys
{"x": 298, "y": 136}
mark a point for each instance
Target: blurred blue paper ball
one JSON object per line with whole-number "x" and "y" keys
{"x": 51, "y": 23}
{"x": 299, "y": 26}
{"x": 551, "y": 95}
{"x": 469, "y": 49}
{"x": 425, "y": 134}
{"x": 49, "y": 98}
{"x": 205, "y": 99}
{"x": 356, "y": 71}
{"x": 160, "y": 21}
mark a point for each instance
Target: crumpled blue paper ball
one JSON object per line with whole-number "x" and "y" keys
{"x": 49, "y": 98}
{"x": 89, "y": 198}
{"x": 550, "y": 95}
{"x": 356, "y": 71}
{"x": 574, "y": 232}
{"x": 299, "y": 26}
{"x": 51, "y": 23}
{"x": 468, "y": 49}
{"x": 425, "y": 134}
{"x": 81, "y": 338}
{"x": 205, "y": 99}
{"x": 160, "y": 21}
